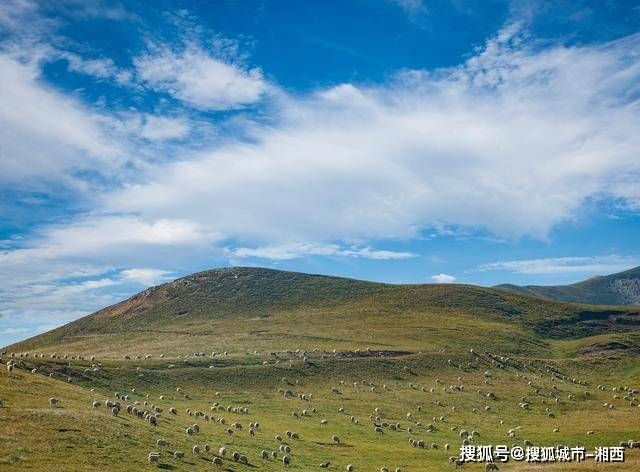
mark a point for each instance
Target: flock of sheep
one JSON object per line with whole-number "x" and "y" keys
{"x": 542, "y": 396}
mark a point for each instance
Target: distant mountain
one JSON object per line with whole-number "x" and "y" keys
{"x": 622, "y": 288}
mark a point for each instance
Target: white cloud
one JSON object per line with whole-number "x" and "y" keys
{"x": 297, "y": 250}
{"x": 94, "y": 236}
{"x": 443, "y": 279}
{"x": 43, "y": 132}
{"x": 566, "y": 265}
{"x": 102, "y": 68}
{"x": 200, "y": 79}
{"x": 153, "y": 128}
{"x": 514, "y": 141}
{"x": 146, "y": 277}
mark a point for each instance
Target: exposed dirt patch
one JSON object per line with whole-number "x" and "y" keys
{"x": 607, "y": 349}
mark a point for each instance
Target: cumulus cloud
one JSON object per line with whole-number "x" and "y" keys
{"x": 567, "y": 265}
{"x": 199, "y": 79}
{"x": 443, "y": 278}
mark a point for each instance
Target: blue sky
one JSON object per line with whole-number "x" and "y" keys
{"x": 398, "y": 141}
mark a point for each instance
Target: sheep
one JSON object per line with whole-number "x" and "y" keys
{"x": 53, "y": 401}
{"x": 178, "y": 455}
{"x": 217, "y": 461}
{"x": 196, "y": 450}
{"x": 286, "y": 460}
{"x": 162, "y": 442}
{"x": 350, "y": 468}
{"x": 264, "y": 454}
{"x": 96, "y": 404}
{"x": 154, "y": 457}
{"x": 335, "y": 439}
{"x": 222, "y": 451}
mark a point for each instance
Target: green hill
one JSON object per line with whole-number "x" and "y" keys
{"x": 622, "y": 288}
{"x": 236, "y": 308}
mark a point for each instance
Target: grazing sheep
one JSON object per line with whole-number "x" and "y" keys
{"x": 335, "y": 439}
{"x": 286, "y": 460}
{"x": 350, "y": 468}
{"x": 53, "y": 401}
{"x": 222, "y": 451}
{"x": 178, "y": 455}
{"x": 96, "y": 404}
{"x": 264, "y": 454}
{"x": 217, "y": 461}
{"x": 162, "y": 442}
{"x": 196, "y": 450}
{"x": 154, "y": 457}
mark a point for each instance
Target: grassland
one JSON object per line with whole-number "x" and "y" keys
{"x": 419, "y": 339}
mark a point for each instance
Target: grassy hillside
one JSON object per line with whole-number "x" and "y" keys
{"x": 228, "y": 309}
{"x": 422, "y": 362}
{"x": 616, "y": 289}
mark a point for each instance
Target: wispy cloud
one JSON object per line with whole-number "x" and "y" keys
{"x": 566, "y": 265}
{"x": 297, "y": 250}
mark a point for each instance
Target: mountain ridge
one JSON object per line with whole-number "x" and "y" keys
{"x": 621, "y": 288}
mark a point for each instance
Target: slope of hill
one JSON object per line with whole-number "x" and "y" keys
{"x": 231, "y": 309}
{"x": 622, "y": 288}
